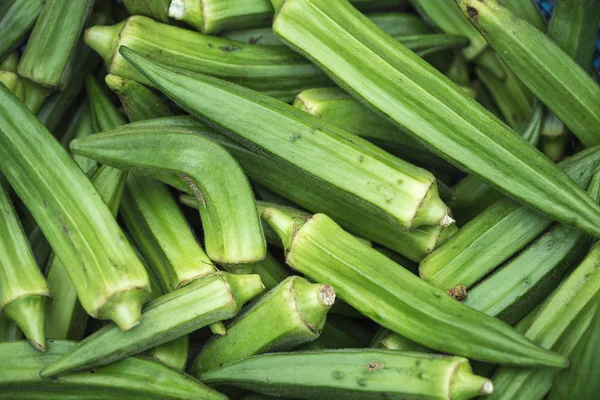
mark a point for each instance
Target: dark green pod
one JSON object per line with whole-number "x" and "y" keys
{"x": 16, "y": 19}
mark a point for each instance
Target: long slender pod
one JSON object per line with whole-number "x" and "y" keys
{"x": 50, "y": 49}
{"x": 497, "y": 233}
{"x": 291, "y": 314}
{"x": 132, "y": 378}
{"x": 110, "y": 281}
{"x": 388, "y": 77}
{"x": 362, "y": 374}
{"x": 551, "y": 74}
{"x": 16, "y": 19}
{"x": 23, "y": 291}
{"x": 213, "y": 298}
{"x": 395, "y": 298}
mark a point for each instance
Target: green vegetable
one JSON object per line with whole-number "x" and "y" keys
{"x": 137, "y": 100}
{"x": 386, "y": 339}
{"x": 16, "y": 19}
{"x": 157, "y": 9}
{"x": 364, "y": 374}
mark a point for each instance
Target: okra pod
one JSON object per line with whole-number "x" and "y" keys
{"x": 523, "y": 282}
{"x": 16, "y": 19}
{"x": 528, "y": 11}
{"x": 555, "y": 137}
{"x": 395, "y": 298}
{"x": 49, "y": 53}
{"x": 271, "y": 272}
{"x": 9, "y": 331}
{"x": 542, "y": 66}
{"x": 65, "y": 317}
{"x": 137, "y": 100}
{"x": 84, "y": 129}
{"x": 132, "y": 378}
{"x": 30, "y": 93}
{"x": 209, "y": 299}
{"x": 497, "y": 233}
{"x": 394, "y": 188}
{"x": 579, "y": 381}
{"x": 386, "y": 339}
{"x": 366, "y": 374}
{"x": 156, "y": 9}
{"x": 10, "y": 62}
{"x": 231, "y": 224}
{"x": 289, "y": 315}
{"x": 105, "y": 116}
{"x": 339, "y": 333}
{"x": 276, "y": 71}
{"x": 23, "y": 291}
{"x": 110, "y": 281}
{"x": 559, "y": 325}
{"x": 386, "y": 76}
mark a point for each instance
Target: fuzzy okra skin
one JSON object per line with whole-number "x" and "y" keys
{"x": 413, "y": 94}
{"x": 395, "y": 298}
{"x": 138, "y": 101}
{"x": 292, "y": 313}
{"x": 49, "y": 53}
{"x": 542, "y": 66}
{"x": 276, "y": 71}
{"x": 23, "y": 291}
{"x": 497, "y": 233}
{"x": 110, "y": 280}
{"x": 132, "y": 378}
{"x": 209, "y": 299}
{"x": 365, "y": 173}
{"x": 232, "y": 230}
{"x": 16, "y": 19}
{"x": 354, "y": 374}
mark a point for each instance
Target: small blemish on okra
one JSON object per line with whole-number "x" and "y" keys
{"x": 374, "y": 366}
{"x": 229, "y": 48}
{"x": 361, "y": 158}
{"x": 362, "y": 382}
{"x": 295, "y": 137}
{"x": 338, "y": 375}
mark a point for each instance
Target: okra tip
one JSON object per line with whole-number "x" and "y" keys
{"x": 115, "y": 82}
{"x": 466, "y": 385}
{"x": 285, "y": 226}
{"x": 124, "y": 308}
{"x": 313, "y": 301}
{"x": 244, "y": 287}
{"x": 28, "y": 312}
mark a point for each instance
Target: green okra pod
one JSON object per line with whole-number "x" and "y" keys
{"x": 9, "y": 330}
{"x": 291, "y": 314}
{"x": 390, "y": 78}
{"x": 10, "y": 62}
{"x": 105, "y": 115}
{"x": 110, "y": 281}
{"x": 271, "y": 272}
{"x": 23, "y": 291}
{"x": 276, "y": 71}
{"x": 209, "y": 299}
{"x": 579, "y": 381}
{"x": 386, "y": 339}
{"x": 137, "y": 100}
{"x": 396, "y": 189}
{"x": 156, "y": 9}
{"x": 132, "y": 378}
{"x": 84, "y": 129}
{"x": 519, "y": 285}
{"x": 29, "y": 92}
{"x": 497, "y": 233}
{"x": 528, "y": 11}
{"x": 354, "y": 373}
{"x": 339, "y": 332}
{"x": 232, "y": 230}
{"x": 550, "y": 74}
{"x": 16, "y": 19}
{"x": 559, "y": 325}
{"x": 395, "y": 298}
{"x": 49, "y": 53}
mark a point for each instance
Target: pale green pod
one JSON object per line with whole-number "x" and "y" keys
{"x": 10, "y": 62}
{"x": 23, "y": 291}
{"x": 395, "y": 298}
{"x": 550, "y": 74}
{"x": 110, "y": 281}
{"x": 135, "y": 378}
{"x": 49, "y": 54}
{"x": 388, "y": 77}
{"x": 365, "y": 173}
{"x": 16, "y": 19}
{"x": 212, "y": 298}
{"x": 291, "y": 314}
{"x": 355, "y": 373}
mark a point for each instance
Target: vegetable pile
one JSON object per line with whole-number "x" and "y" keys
{"x": 313, "y": 199}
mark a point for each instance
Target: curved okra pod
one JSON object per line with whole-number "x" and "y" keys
{"x": 355, "y": 373}
{"x": 110, "y": 281}
{"x": 411, "y": 93}
{"x": 542, "y": 66}
{"x": 51, "y": 46}
{"x": 137, "y": 100}
{"x": 276, "y": 71}
{"x": 134, "y": 378}
{"x": 559, "y": 325}
{"x": 232, "y": 230}
{"x": 23, "y": 291}
{"x": 16, "y": 19}
{"x": 209, "y": 299}
{"x": 291, "y": 314}
{"x": 395, "y": 298}
{"x": 392, "y": 187}
{"x": 497, "y": 233}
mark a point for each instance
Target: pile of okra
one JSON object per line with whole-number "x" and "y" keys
{"x": 310, "y": 199}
